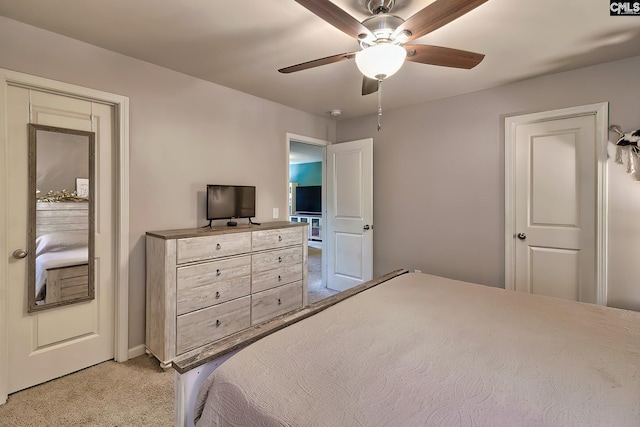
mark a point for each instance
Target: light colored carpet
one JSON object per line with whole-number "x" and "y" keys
{"x": 317, "y": 292}
{"x": 134, "y": 393}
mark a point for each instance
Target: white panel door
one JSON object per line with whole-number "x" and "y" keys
{"x": 555, "y": 207}
{"x": 349, "y": 214}
{"x": 51, "y": 343}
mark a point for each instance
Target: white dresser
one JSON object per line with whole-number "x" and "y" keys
{"x": 204, "y": 284}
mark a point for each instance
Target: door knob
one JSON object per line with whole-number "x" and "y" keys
{"x": 366, "y": 227}
{"x": 19, "y": 253}
{"x": 522, "y": 236}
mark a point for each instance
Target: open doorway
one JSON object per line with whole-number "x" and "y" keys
{"x": 307, "y": 192}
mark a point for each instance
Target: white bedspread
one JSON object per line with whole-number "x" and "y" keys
{"x": 421, "y": 350}
{"x": 59, "y": 249}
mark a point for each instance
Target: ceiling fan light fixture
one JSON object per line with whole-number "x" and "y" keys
{"x": 380, "y": 6}
{"x": 380, "y": 61}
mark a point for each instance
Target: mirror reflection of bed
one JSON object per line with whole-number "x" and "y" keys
{"x": 61, "y": 251}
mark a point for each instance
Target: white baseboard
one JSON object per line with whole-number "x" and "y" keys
{"x": 136, "y": 351}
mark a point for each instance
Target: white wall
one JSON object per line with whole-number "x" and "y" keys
{"x": 439, "y": 177}
{"x": 184, "y": 134}
{"x": 61, "y": 158}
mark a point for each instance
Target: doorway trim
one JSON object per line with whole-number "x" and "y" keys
{"x": 121, "y": 274}
{"x": 291, "y": 137}
{"x": 601, "y": 112}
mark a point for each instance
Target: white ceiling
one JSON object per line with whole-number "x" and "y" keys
{"x": 242, "y": 43}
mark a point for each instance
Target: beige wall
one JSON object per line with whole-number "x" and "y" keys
{"x": 439, "y": 177}
{"x": 61, "y": 158}
{"x": 184, "y": 134}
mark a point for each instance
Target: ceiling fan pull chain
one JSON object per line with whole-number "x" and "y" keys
{"x": 379, "y": 104}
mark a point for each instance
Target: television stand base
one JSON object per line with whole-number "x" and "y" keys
{"x": 232, "y": 224}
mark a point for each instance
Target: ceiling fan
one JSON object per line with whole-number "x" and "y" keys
{"x": 383, "y": 38}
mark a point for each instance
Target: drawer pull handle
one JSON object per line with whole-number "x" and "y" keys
{"x": 279, "y": 238}
{"x": 217, "y": 294}
{"x": 218, "y": 272}
{"x": 218, "y": 247}
{"x": 279, "y": 301}
{"x": 279, "y": 278}
{"x": 279, "y": 259}
{"x": 218, "y": 323}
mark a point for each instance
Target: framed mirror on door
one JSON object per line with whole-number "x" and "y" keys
{"x": 61, "y": 217}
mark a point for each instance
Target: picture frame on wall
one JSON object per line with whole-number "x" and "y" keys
{"x": 82, "y": 187}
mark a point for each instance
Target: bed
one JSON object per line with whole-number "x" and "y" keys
{"x": 61, "y": 249}
{"x": 424, "y": 350}
{"x": 61, "y": 266}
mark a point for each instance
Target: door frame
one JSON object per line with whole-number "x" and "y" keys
{"x": 121, "y": 274}
{"x": 601, "y": 111}
{"x": 292, "y": 137}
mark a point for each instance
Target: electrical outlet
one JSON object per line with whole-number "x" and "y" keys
{"x": 276, "y": 213}
{"x": 417, "y": 271}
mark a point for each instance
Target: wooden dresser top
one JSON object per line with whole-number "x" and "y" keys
{"x": 210, "y": 231}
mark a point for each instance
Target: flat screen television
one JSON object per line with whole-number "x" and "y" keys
{"x": 230, "y": 201}
{"x": 309, "y": 199}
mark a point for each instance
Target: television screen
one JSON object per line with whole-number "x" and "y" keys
{"x": 309, "y": 199}
{"x": 230, "y": 201}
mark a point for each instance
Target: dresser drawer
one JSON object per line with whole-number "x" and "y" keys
{"x": 268, "y": 304}
{"x": 276, "y": 277}
{"x": 201, "y": 327}
{"x": 215, "y": 282}
{"x": 278, "y": 238}
{"x": 202, "y": 248}
{"x": 265, "y": 261}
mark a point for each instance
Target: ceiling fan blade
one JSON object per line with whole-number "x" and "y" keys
{"x": 317, "y": 62}
{"x": 437, "y": 14}
{"x": 337, "y": 17}
{"x": 369, "y": 86}
{"x": 443, "y": 56}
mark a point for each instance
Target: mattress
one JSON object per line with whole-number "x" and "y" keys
{"x": 56, "y": 250}
{"x": 425, "y": 350}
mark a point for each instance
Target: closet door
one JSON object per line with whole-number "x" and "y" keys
{"x": 47, "y": 344}
{"x": 555, "y": 163}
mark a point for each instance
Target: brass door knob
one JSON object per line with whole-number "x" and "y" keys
{"x": 19, "y": 253}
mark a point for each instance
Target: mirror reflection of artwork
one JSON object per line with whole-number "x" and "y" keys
{"x": 61, "y": 231}
{"x": 82, "y": 187}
